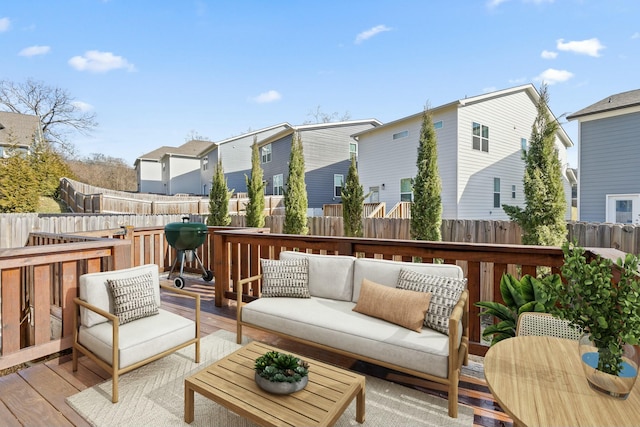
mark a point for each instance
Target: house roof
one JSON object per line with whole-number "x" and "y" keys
{"x": 191, "y": 148}
{"x": 528, "y": 88}
{"x": 18, "y": 129}
{"x": 156, "y": 154}
{"x": 618, "y": 101}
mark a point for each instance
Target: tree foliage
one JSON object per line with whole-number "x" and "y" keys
{"x": 58, "y": 111}
{"x": 295, "y": 194}
{"x": 352, "y": 203}
{"x": 48, "y": 167}
{"x": 219, "y": 199}
{"x": 543, "y": 218}
{"x": 104, "y": 171}
{"x": 19, "y": 191}
{"x": 255, "y": 188}
{"x": 426, "y": 211}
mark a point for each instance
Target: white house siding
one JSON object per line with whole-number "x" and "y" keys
{"x": 150, "y": 177}
{"x": 509, "y": 119}
{"x": 608, "y": 162}
{"x": 206, "y": 172}
{"x": 184, "y": 175}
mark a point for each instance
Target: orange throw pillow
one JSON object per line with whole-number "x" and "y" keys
{"x": 399, "y": 306}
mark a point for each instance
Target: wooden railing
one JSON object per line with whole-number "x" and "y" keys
{"x": 400, "y": 210}
{"x": 38, "y": 284}
{"x": 238, "y": 253}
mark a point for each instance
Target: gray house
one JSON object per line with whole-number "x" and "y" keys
{"x": 608, "y": 167}
{"x": 18, "y": 132}
{"x": 327, "y": 147}
{"x": 149, "y": 171}
{"x": 235, "y": 154}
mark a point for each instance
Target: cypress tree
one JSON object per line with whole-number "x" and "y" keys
{"x": 19, "y": 190}
{"x": 219, "y": 199}
{"x": 295, "y": 194}
{"x": 426, "y": 211}
{"x": 352, "y": 203}
{"x": 542, "y": 220}
{"x": 255, "y": 188}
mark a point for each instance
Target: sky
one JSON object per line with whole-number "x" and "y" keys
{"x": 160, "y": 72}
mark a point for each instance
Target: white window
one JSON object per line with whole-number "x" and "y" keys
{"x": 496, "y": 192}
{"x": 338, "y": 182}
{"x": 624, "y": 211}
{"x": 266, "y": 153}
{"x": 438, "y": 124}
{"x": 278, "y": 185}
{"x": 480, "y": 137}
{"x": 523, "y": 146}
{"x": 205, "y": 163}
{"x": 406, "y": 190}
{"x": 374, "y": 194}
{"x": 353, "y": 151}
{"x": 402, "y": 134}
{"x": 513, "y": 191}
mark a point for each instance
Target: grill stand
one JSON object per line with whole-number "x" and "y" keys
{"x": 187, "y": 254}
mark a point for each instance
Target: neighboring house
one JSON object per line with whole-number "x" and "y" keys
{"x": 327, "y": 148}
{"x": 236, "y": 158}
{"x": 181, "y": 168}
{"x": 608, "y": 159}
{"x": 18, "y": 132}
{"x": 149, "y": 171}
{"x": 480, "y": 154}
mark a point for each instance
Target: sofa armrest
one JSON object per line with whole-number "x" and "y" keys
{"x": 459, "y": 318}
{"x": 239, "y": 291}
{"x": 115, "y": 337}
{"x": 110, "y": 316}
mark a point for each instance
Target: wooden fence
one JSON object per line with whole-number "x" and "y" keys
{"x": 15, "y": 228}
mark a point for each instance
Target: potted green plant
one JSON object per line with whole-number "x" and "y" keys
{"x": 281, "y": 373}
{"x": 519, "y": 296}
{"x": 607, "y": 311}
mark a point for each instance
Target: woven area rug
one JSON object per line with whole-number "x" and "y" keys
{"x": 153, "y": 395}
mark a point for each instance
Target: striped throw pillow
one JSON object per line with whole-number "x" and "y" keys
{"x": 133, "y": 297}
{"x": 445, "y": 294}
{"x": 285, "y": 278}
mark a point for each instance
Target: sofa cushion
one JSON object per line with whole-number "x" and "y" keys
{"x": 445, "y": 292}
{"x": 93, "y": 288}
{"x": 138, "y": 340}
{"x": 285, "y": 278}
{"x": 386, "y": 272}
{"x": 133, "y": 297}
{"x": 330, "y": 276}
{"x": 334, "y": 323}
{"x": 399, "y": 306}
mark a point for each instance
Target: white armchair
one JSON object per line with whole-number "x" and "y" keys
{"x": 119, "y": 323}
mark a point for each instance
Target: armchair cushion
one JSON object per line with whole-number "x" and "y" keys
{"x": 133, "y": 297}
{"x": 445, "y": 292}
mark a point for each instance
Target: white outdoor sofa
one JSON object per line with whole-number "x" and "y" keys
{"x": 327, "y": 319}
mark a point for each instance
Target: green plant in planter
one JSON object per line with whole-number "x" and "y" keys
{"x": 519, "y": 296}
{"x": 589, "y": 299}
{"x": 281, "y": 367}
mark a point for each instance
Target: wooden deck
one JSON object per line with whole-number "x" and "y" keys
{"x": 35, "y": 395}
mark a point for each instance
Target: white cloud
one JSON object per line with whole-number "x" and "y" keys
{"x": 589, "y": 47}
{"x": 518, "y": 81}
{"x": 365, "y": 35}
{"x": 266, "y": 97}
{"x": 100, "y": 62}
{"x": 489, "y": 89}
{"x": 547, "y": 54}
{"x": 552, "y": 76}
{"x": 5, "y": 24}
{"x": 495, "y": 3}
{"x": 34, "y": 50}
{"x": 82, "y": 106}
{"x": 636, "y": 35}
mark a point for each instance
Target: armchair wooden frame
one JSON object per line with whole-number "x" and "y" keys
{"x": 114, "y": 367}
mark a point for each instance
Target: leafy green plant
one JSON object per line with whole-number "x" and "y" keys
{"x": 281, "y": 367}
{"x": 590, "y": 299}
{"x": 519, "y": 296}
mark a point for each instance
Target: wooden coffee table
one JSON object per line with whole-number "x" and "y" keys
{"x": 230, "y": 383}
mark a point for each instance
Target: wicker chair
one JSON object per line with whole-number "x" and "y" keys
{"x": 544, "y": 324}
